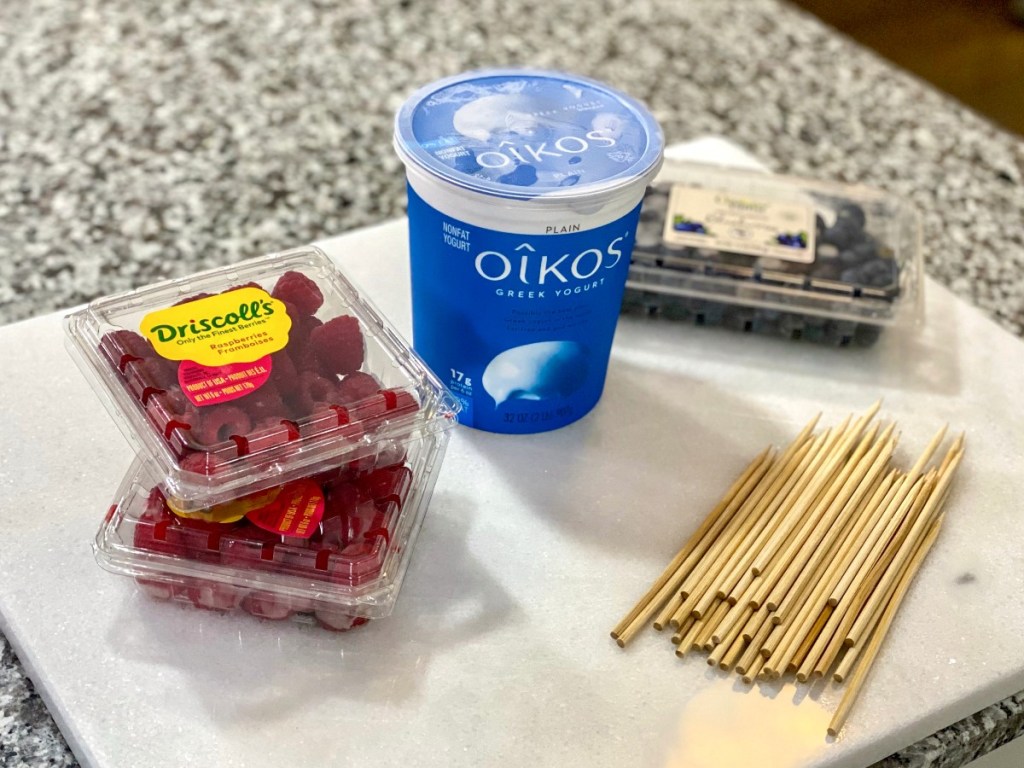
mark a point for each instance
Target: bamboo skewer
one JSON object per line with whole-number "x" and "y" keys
{"x": 822, "y": 547}
{"x": 825, "y": 528}
{"x": 857, "y": 681}
{"x": 643, "y": 606}
{"x": 806, "y": 557}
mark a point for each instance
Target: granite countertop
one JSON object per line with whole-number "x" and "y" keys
{"x": 141, "y": 140}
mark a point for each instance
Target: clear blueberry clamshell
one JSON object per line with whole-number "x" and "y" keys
{"x": 775, "y": 255}
{"x": 285, "y": 370}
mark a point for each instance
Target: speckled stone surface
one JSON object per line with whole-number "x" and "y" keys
{"x": 140, "y": 140}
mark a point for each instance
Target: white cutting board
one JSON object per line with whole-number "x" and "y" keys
{"x": 498, "y": 652}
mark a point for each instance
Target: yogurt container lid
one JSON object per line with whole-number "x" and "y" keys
{"x": 523, "y": 134}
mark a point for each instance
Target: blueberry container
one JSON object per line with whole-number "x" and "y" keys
{"x": 775, "y": 255}
{"x": 240, "y": 379}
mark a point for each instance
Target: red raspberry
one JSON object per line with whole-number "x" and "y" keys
{"x": 338, "y": 346}
{"x": 267, "y": 605}
{"x": 338, "y": 619}
{"x": 122, "y": 347}
{"x": 300, "y": 348}
{"x": 215, "y": 596}
{"x": 150, "y": 377}
{"x": 264, "y": 403}
{"x": 284, "y": 376}
{"x": 300, "y": 292}
{"x": 151, "y": 528}
{"x": 386, "y": 484}
{"x": 311, "y": 391}
{"x": 219, "y": 422}
{"x": 357, "y": 386}
{"x": 172, "y": 415}
{"x": 201, "y": 463}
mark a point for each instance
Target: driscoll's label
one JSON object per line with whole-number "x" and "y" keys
{"x": 519, "y": 327}
{"x": 223, "y": 342}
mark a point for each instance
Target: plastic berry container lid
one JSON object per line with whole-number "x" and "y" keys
{"x": 779, "y": 243}
{"x": 345, "y": 565}
{"x": 242, "y": 378}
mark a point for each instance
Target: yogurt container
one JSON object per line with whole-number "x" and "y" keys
{"x": 524, "y": 196}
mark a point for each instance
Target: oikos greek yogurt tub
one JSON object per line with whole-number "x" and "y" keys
{"x": 524, "y": 196}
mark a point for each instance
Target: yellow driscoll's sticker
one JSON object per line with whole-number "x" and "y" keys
{"x": 239, "y": 326}
{"x": 230, "y": 511}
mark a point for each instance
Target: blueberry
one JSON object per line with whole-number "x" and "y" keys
{"x": 851, "y": 257}
{"x": 866, "y": 248}
{"x": 852, "y": 276}
{"x": 843, "y": 234}
{"x": 852, "y": 213}
{"x": 878, "y": 273}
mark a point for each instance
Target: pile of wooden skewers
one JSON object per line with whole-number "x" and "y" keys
{"x": 803, "y": 563}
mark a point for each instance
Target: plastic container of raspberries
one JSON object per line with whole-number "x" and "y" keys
{"x": 347, "y": 572}
{"x": 775, "y": 255}
{"x": 288, "y": 439}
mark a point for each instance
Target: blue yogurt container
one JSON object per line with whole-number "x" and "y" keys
{"x": 524, "y": 197}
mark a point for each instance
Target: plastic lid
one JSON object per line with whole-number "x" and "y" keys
{"x": 522, "y": 133}
{"x": 245, "y": 377}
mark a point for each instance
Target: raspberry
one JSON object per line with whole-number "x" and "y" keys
{"x": 151, "y": 528}
{"x": 215, "y": 596}
{"x": 267, "y": 605}
{"x": 122, "y": 347}
{"x": 337, "y": 619}
{"x": 300, "y": 348}
{"x": 284, "y": 375}
{"x": 311, "y": 391}
{"x": 150, "y": 376}
{"x": 330, "y": 418}
{"x": 201, "y": 463}
{"x": 218, "y": 423}
{"x": 264, "y": 403}
{"x": 300, "y": 292}
{"x": 338, "y": 345}
{"x": 173, "y": 417}
{"x": 357, "y": 386}
{"x": 386, "y": 484}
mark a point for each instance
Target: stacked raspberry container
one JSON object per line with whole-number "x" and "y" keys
{"x": 288, "y": 440}
{"x": 775, "y": 255}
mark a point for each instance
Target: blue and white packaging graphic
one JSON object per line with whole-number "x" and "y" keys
{"x": 524, "y": 197}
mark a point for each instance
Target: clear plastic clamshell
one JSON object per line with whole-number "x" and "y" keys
{"x": 344, "y": 571}
{"x": 776, "y": 255}
{"x": 243, "y": 378}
